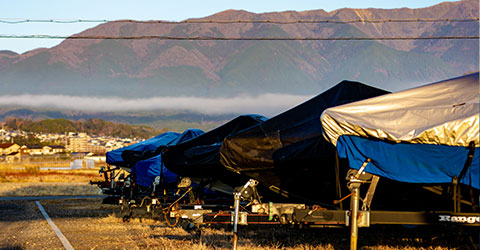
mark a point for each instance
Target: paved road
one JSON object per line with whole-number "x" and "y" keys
{"x": 83, "y": 220}
{"x": 23, "y": 227}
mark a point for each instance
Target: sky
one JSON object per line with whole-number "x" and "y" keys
{"x": 14, "y": 10}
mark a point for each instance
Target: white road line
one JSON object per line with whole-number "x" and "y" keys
{"x": 60, "y": 236}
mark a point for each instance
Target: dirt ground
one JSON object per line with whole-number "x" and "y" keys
{"x": 88, "y": 224}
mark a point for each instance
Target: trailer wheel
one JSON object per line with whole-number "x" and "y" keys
{"x": 283, "y": 219}
{"x": 189, "y": 227}
{"x": 276, "y": 218}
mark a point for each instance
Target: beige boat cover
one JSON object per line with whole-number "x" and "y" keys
{"x": 442, "y": 113}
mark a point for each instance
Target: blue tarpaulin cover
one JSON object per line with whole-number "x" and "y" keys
{"x": 418, "y": 135}
{"x": 416, "y": 163}
{"x": 114, "y": 157}
{"x": 146, "y": 170}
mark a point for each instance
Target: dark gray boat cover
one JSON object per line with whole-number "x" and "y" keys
{"x": 199, "y": 157}
{"x": 288, "y": 153}
{"x": 283, "y": 136}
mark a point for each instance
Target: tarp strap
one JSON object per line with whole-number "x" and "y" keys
{"x": 470, "y": 157}
{"x": 161, "y": 152}
{"x": 468, "y": 162}
{"x": 337, "y": 176}
{"x": 456, "y": 188}
{"x": 161, "y": 173}
{"x": 456, "y": 195}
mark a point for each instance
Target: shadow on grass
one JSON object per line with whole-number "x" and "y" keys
{"x": 11, "y": 248}
{"x": 374, "y": 238}
{"x": 23, "y": 210}
{"x": 419, "y": 237}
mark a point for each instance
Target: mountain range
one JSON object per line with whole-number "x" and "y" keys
{"x": 154, "y": 67}
{"x": 158, "y": 119}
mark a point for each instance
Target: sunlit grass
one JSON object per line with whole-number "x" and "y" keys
{"x": 47, "y": 189}
{"x": 32, "y": 180}
{"x": 36, "y": 173}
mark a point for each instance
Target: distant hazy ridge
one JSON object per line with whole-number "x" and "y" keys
{"x": 146, "y": 68}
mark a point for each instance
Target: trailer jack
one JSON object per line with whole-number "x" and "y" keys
{"x": 244, "y": 192}
{"x": 359, "y": 218}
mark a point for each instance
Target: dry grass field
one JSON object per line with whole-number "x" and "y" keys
{"x": 89, "y": 224}
{"x": 30, "y": 180}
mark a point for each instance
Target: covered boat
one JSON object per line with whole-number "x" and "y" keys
{"x": 199, "y": 158}
{"x": 428, "y": 134}
{"x": 128, "y": 156}
{"x": 288, "y": 153}
{"x": 146, "y": 170}
{"x": 114, "y": 157}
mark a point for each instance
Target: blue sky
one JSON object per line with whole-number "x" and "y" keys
{"x": 148, "y": 10}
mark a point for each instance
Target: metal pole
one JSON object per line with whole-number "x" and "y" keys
{"x": 112, "y": 179}
{"x": 235, "y": 220}
{"x": 354, "y": 204}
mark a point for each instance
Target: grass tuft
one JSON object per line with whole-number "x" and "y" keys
{"x": 32, "y": 170}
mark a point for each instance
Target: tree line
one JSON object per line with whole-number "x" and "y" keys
{"x": 97, "y": 127}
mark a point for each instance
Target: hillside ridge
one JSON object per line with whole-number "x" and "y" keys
{"x": 145, "y": 68}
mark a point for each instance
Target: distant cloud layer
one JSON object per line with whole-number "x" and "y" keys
{"x": 265, "y": 104}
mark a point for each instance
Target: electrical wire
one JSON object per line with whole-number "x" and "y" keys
{"x": 61, "y": 21}
{"x": 209, "y": 38}
{"x": 204, "y": 21}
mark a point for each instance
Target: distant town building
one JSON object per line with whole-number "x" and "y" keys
{"x": 96, "y": 149}
{"x": 17, "y": 157}
{"x": 32, "y": 149}
{"x": 96, "y": 158}
{"x": 77, "y": 144}
{"x": 74, "y": 143}
{"x": 8, "y": 148}
{"x": 53, "y": 149}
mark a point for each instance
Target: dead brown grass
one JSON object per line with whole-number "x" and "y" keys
{"x": 31, "y": 181}
{"x": 88, "y": 224}
{"x": 46, "y": 189}
{"x": 53, "y": 164}
{"x": 149, "y": 234}
{"x": 32, "y": 173}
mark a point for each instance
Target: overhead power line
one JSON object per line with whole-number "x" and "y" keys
{"x": 208, "y": 38}
{"x": 21, "y": 20}
{"x": 204, "y": 21}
